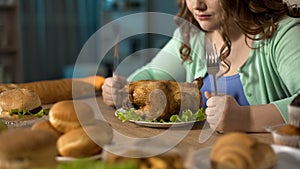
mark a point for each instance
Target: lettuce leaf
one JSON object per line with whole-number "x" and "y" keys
{"x": 188, "y": 115}
{"x": 185, "y": 116}
{"x": 129, "y": 114}
{"x": 92, "y": 164}
{"x": 20, "y": 114}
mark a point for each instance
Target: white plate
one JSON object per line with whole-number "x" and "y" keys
{"x": 157, "y": 124}
{"x": 66, "y": 159}
{"x": 23, "y": 123}
{"x": 288, "y": 158}
{"x": 163, "y": 125}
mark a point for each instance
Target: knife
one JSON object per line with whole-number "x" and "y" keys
{"x": 116, "y": 56}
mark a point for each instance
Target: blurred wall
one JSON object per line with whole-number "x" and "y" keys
{"x": 54, "y": 31}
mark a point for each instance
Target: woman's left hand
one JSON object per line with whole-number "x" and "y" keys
{"x": 224, "y": 114}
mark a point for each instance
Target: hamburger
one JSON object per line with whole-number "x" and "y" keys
{"x": 20, "y": 104}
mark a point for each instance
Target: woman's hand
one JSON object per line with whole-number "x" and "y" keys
{"x": 224, "y": 114}
{"x": 112, "y": 90}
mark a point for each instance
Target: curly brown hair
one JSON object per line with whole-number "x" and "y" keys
{"x": 253, "y": 17}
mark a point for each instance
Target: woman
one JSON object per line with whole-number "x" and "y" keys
{"x": 258, "y": 42}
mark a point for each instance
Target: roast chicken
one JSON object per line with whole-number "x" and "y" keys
{"x": 160, "y": 99}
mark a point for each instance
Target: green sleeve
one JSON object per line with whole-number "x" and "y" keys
{"x": 287, "y": 52}
{"x": 281, "y": 105}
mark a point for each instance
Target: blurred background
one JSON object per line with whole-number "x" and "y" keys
{"x": 41, "y": 39}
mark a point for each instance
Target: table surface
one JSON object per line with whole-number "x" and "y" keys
{"x": 128, "y": 135}
{"x": 189, "y": 135}
{"x": 184, "y": 139}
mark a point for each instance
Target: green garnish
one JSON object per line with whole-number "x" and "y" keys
{"x": 188, "y": 115}
{"x": 20, "y": 114}
{"x": 95, "y": 164}
{"x": 129, "y": 114}
{"x": 42, "y": 112}
{"x": 185, "y": 116}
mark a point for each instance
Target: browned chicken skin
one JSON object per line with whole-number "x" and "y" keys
{"x": 160, "y": 99}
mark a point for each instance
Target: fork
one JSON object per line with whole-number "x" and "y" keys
{"x": 212, "y": 62}
{"x": 213, "y": 67}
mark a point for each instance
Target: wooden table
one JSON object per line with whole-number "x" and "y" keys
{"x": 127, "y": 134}
{"x": 187, "y": 138}
{"x": 189, "y": 135}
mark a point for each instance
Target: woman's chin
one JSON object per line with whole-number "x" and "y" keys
{"x": 207, "y": 26}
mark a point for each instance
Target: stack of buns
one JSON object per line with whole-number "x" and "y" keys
{"x": 241, "y": 151}
{"x": 77, "y": 132}
{"x": 46, "y": 125}
{"x": 23, "y": 148}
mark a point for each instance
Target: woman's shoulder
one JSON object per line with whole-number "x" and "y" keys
{"x": 287, "y": 28}
{"x": 288, "y": 22}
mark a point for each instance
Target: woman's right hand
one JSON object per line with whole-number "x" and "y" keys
{"x": 112, "y": 90}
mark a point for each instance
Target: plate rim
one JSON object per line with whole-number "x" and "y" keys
{"x": 281, "y": 148}
{"x": 66, "y": 159}
{"x": 158, "y": 124}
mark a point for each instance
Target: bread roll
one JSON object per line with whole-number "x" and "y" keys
{"x": 86, "y": 141}
{"x": 51, "y": 91}
{"x": 241, "y": 151}
{"x": 70, "y": 114}
{"x": 46, "y": 125}
{"x": 25, "y": 148}
{"x": 264, "y": 156}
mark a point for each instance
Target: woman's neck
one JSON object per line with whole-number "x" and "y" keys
{"x": 239, "y": 48}
{"x": 234, "y": 33}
